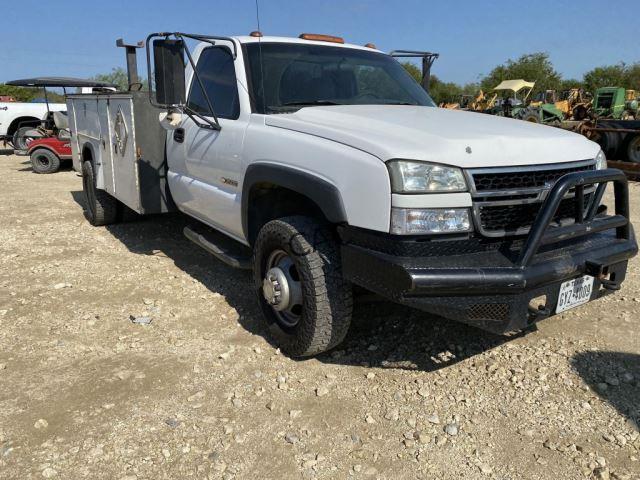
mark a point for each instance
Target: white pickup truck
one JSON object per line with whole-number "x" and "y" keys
{"x": 325, "y": 165}
{"x": 19, "y": 117}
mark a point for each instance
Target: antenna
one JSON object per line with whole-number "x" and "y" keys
{"x": 264, "y": 99}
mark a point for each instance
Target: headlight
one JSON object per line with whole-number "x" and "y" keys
{"x": 420, "y": 177}
{"x": 601, "y": 161}
{"x": 415, "y": 221}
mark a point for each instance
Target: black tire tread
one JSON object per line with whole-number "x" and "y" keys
{"x": 328, "y": 300}
{"x": 54, "y": 161}
{"x": 105, "y": 207}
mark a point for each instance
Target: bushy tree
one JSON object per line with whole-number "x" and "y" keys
{"x": 607, "y": 76}
{"x": 118, "y": 76}
{"x": 28, "y": 94}
{"x": 21, "y": 94}
{"x": 441, "y": 91}
{"x": 569, "y": 83}
{"x": 532, "y": 67}
{"x": 632, "y": 77}
{"x": 413, "y": 70}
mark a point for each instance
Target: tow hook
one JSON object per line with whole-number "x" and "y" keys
{"x": 539, "y": 313}
{"x": 601, "y": 272}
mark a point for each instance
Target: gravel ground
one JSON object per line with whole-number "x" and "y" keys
{"x": 200, "y": 392}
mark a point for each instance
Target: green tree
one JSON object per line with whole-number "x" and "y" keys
{"x": 21, "y": 94}
{"x": 27, "y": 94}
{"x": 413, "y": 70}
{"x": 444, "y": 91}
{"x": 569, "y": 83}
{"x": 607, "y": 76}
{"x": 632, "y": 77}
{"x": 441, "y": 91}
{"x": 118, "y": 77}
{"x": 532, "y": 67}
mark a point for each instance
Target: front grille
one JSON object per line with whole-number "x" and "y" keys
{"x": 512, "y": 218}
{"x": 507, "y": 202}
{"x": 488, "y": 311}
{"x": 521, "y": 179}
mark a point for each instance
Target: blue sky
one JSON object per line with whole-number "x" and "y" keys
{"x": 77, "y": 38}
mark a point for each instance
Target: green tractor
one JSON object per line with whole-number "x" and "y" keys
{"x": 616, "y": 103}
{"x": 517, "y": 105}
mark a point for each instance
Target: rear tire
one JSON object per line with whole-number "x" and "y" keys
{"x": 20, "y": 139}
{"x": 633, "y": 149}
{"x": 102, "y": 208}
{"x": 298, "y": 255}
{"x": 44, "y": 161}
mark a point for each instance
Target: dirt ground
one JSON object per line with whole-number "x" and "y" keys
{"x": 200, "y": 392}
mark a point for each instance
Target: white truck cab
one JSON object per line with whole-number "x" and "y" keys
{"x": 329, "y": 166}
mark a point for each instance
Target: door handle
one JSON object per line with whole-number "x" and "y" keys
{"x": 178, "y": 135}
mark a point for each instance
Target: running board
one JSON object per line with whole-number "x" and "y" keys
{"x": 220, "y": 247}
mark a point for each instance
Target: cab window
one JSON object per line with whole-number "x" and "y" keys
{"x": 217, "y": 73}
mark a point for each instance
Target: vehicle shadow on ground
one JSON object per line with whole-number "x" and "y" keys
{"x": 65, "y": 166}
{"x": 615, "y": 377}
{"x": 383, "y": 334}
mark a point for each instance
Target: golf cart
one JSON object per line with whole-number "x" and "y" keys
{"x": 48, "y": 144}
{"x": 512, "y": 104}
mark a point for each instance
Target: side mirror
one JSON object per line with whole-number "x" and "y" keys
{"x": 169, "y": 68}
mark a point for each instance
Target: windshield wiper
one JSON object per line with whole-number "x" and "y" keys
{"x": 311, "y": 103}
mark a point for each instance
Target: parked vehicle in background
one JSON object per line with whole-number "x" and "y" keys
{"x": 48, "y": 143}
{"x": 620, "y": 139}
{"x": 616, "y": 103}
{"x": 572, "y": 104}
{"x": 480, "y": 102}
{"x": 321, "y": 165}
{"x": 18, "y": 118}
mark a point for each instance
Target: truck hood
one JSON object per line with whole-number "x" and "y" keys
{"x": 463, "y": 139}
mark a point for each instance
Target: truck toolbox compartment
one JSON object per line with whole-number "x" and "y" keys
{"x": 126, "y": 142}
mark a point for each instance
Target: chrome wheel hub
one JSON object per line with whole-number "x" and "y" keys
{"x": 275, "y": 289}
{"x": 282, "y": 289}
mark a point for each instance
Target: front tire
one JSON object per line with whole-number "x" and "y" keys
{"x": 44, "y": 161}
{"x": 298, "y": 279}
{"x": 102, "y": 208}
{"x": 531, "y": 115}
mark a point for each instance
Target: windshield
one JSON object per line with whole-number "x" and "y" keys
{"x": 298, "y": 75}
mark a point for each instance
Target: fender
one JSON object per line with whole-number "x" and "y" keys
{"x": 61, "y": 149}
{"x": 318, "y": 190}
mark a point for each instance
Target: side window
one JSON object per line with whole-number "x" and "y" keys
{"x": 218, "y": 75}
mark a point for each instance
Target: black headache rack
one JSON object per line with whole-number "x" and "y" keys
{"x": 492, "y": 288}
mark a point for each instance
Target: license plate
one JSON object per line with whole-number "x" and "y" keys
{"x": 574, "y": 293}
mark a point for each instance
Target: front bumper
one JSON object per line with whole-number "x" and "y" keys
{"x": 491, "y": 284}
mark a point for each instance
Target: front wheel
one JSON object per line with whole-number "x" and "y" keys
{"x": 44, "y": 161}
{"x": 531, "y": 115}
{"x": 298, "y": 280}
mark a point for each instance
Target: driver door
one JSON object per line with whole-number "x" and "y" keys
{"x": 208, "y": 162}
